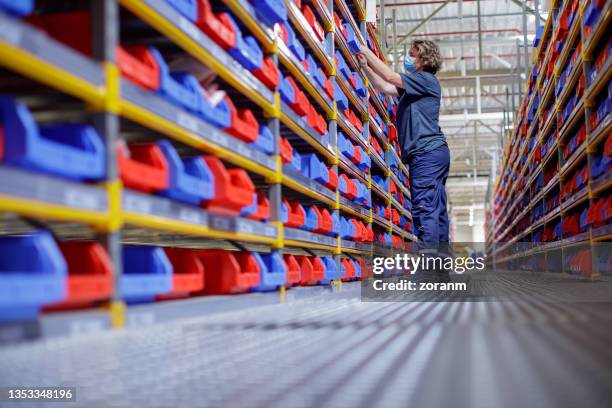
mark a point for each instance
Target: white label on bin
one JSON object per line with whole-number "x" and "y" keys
{"x": 243, "y": 150}
{"x": 189, "y": 215}
{"x": 245, "y": 227}
{"x": 221, "y": 223}
{"x": 78, "y": 198}
{"x": 87, "y": 326}
{"x": 137, "y": 204}
{"x": 190, "y": 29}
{"x": 187, "y": 121}
{"x": 218, "y": 138}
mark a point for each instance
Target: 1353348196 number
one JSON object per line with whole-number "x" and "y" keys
{"x": 38, "y": 393}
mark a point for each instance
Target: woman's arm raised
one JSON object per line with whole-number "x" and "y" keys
{"x": 381, "y": 69}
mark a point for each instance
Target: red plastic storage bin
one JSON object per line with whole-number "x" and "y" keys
{"x": 188, "y": 273}
{"x": 318, "y": 269}
{"x": 394, "y": 216}
{"x": 137, "y": 63}
{"x": 297, "y": 214}
{"x": 233, "y": 188}
{"x": 316, "y": 121}
{"x": 351, "y": 187}
{"x": 229, "y": 272}
{"x": 326, "y": 222}
{"x": 356, "y": 155}
{"x": 244, "y": 125}
{"x": 142, "y": 167}
{"x": 294, "y": 273}
{"x": 217, "y": 26}
{"x": 301, "y": 106}
{"x": 349, "y": 269}
{"x": 90, "y": 275}
{"x": 392, "y": 134}
{"x": 263, "y": 208}
{"x": 268, "y": 73}
{"x": 332, "y": 183}
{"x": 286, "y": 151}
{"x": 313, "y": 22}
{"x": 329, "y": 88}
{"x": 306, "y": 268}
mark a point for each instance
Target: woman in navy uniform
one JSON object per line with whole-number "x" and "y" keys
{"x": 423, "y": 145}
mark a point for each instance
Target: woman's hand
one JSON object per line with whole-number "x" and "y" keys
{"x": 362, "y": 60}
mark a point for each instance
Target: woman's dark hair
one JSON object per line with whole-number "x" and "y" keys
{"x": 429, "y": 52}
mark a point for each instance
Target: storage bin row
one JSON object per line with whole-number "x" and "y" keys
{"x": 184, "y": 82}
{"x": 201, "y": 180}
{"x": 37, "y": 272}
{"x": 349, "y": 35}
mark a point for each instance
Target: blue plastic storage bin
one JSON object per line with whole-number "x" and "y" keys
{"x": 311, "y": 222}
{"x": 347, "y": 229}
{"x": 294, "y": 44}
{"x": 265, "y": 140}
{"x": 357, "y": 268}
{"x": 286, "y": 91}
{"x": 219, "y": 115}
{"x": 147, "y": 272}
{"x": 180, "y": 88}
{"x": 345, "y": 146}
{"x": 342, "y": 66}
{"x": 284, "y": 215}
{"x": 246, "y": 51}
{"x": 360, "y": 87}
{"x": 591, "y": 14}
{"x": 272, "y": 270}
{"x": 352, "y": 42}
{"x": 342, "y": 187}
{"x": 32, "y": 274}
{"x": 315, "y": 72}
{"x": 335, "y": 225}
{"x": 190, "y": 180}
{"x": 340, "y": 98}
{"x": 188, "y": 8}
{"x": 314, "y": 169}
{"x": 600, "y": 165}
{"x": 365, "y": 162}
{"x": 331, "y": 268}
{"x": 270, "y": 11}
{"x": 296, "y": 161}
{"x": 70, "y": 150}
{"x": 390, "y": 158}
{"x": 17, "y": 7}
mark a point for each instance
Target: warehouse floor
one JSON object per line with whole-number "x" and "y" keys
{"x": 336, "y": 351}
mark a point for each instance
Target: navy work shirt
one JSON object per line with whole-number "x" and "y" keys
{"x": 418, "y": 114}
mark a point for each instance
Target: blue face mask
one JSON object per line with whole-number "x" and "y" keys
{"x": 409, "y": 64}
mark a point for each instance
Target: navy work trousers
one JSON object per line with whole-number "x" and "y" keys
{"x": 428, "y": 174}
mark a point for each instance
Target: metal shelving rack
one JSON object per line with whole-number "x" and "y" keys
{"x": 506, "y": 241}
{"x": 115, "y": 213}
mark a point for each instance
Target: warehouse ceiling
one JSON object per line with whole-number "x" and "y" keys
{"x": 482, "y": 46}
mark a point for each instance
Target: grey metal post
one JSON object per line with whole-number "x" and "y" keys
{"x": 525, "y": 49}
{"x": 479, "y": 37}
{"x": 518, "y": 71}
{"x": 275, "y": 188}
{"x": 383, "y": 28}
{"x": 105, "y": 34}
{"x": 536, "y": 6}
{"x": 395, "y": 53}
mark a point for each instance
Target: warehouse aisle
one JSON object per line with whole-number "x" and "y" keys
{"x": 340, "y": 352}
